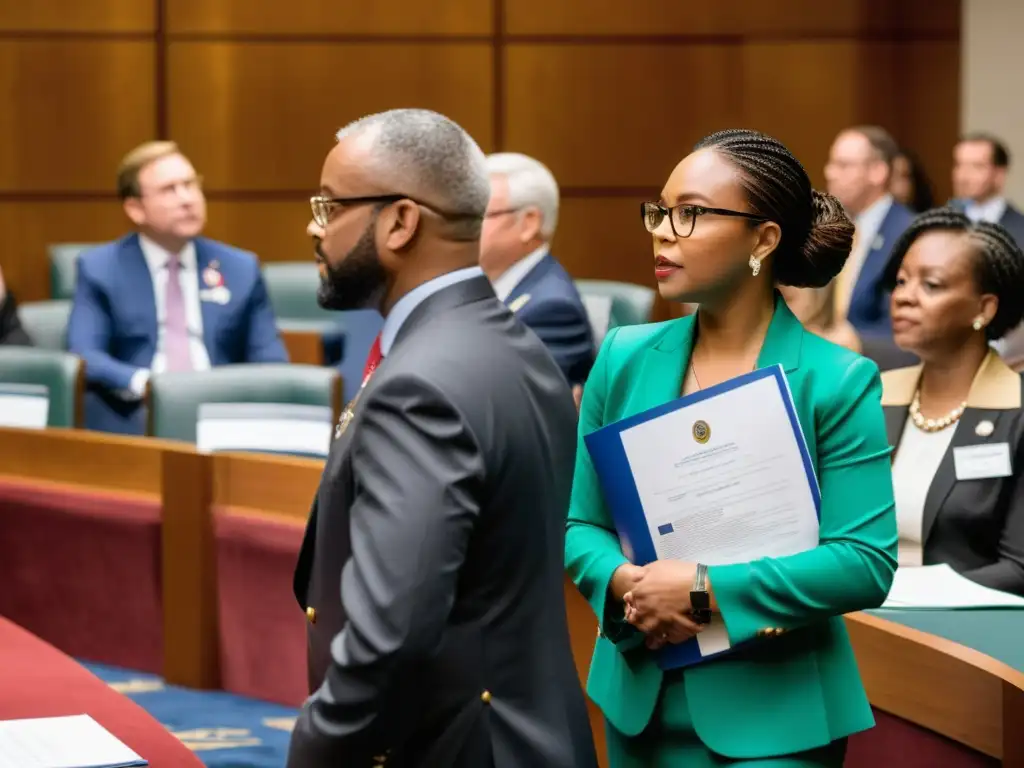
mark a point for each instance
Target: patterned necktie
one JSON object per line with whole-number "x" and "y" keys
{"x": 176, "y": 341}
{"x": 372, "y": 360}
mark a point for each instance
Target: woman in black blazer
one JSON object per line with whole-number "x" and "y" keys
{"x": 955, "y": 421}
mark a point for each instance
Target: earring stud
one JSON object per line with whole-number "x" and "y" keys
{"x": 978, "y": 324}
{"x": 755, "y": 265}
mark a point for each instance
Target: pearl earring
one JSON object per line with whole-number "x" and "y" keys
{"x": 978, "y": 324}
{"x": 755, "y": 265}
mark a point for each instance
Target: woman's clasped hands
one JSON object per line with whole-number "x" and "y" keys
{"x": 656, "y": 600}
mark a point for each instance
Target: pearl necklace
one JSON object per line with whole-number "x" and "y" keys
{"x": 934, "y": 425}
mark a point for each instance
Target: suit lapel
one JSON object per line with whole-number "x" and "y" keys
{"x": 140, "y": 281}
{"x": 660, "y": 378}
{"x": 207, "y": 309}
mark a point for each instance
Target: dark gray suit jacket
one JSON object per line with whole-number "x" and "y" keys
{"x": 441, "y": 516}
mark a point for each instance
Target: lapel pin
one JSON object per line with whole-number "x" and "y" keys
{"x": 879, "y": 243}
{"x": 984, "y": 428}
{"x": 212, "y": 277}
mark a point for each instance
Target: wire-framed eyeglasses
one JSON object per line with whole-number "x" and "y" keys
{"x": 323, "y": 206}
{"x": 683, "y": 218}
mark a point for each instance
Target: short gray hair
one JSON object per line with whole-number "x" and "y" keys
{"x": 428, "y": 155}
{"x": 530, "y": 183}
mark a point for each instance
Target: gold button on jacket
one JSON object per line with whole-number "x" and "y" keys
{"x": 311, "y": 614}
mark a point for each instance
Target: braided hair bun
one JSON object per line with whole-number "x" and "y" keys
{"x": 816, "y": 232}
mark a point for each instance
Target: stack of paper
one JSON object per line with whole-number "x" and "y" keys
{"x": 62, "y": 742}
{"x": 940, "y": 587}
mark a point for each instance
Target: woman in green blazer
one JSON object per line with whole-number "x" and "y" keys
{"x": 737, "y": 216}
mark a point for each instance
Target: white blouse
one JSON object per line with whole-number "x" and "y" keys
{"x": 917, "y": 459}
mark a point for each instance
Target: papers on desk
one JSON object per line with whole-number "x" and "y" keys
{"x": 939, "y": 587}
{"x": 24, "y": 405}
{"x": 720, "y": 476}
{"x": 62, "y": 742}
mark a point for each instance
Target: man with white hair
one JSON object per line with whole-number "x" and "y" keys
{"x": 441, "y": 509}
{"x": 515, "y": 253}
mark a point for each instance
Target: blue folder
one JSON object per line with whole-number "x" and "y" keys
{"x": 623, "y": 499}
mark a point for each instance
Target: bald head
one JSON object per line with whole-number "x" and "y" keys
{"x": 425, "y": 155}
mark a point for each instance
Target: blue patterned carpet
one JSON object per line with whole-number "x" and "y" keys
{"x": 225, "y": 731}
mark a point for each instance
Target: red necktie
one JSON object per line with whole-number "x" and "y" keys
{"x": 372, "y": 360}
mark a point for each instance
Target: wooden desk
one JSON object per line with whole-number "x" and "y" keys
{"x": 937, "y": 683}
{"x": 303, "y": 346}
{"x": 40, "y": 681}
{"x": 943, "y": 686}
{"x": 169, "y": 473}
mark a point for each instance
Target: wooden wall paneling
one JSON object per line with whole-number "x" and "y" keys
{"x": 330, "y": 17}
{"x": 617, "y": 115}
{"x": 928, "y": 106}
{"x": 603, "y": 238}
{"x": 274, "y": 230}
{"x": 804, "y": 93}
{"x": 27, "y": 227}
{"x": 262, "y": 116}
{"x": 116, "y": 16}
{"x": 792, "y": 19}
{"x": 81, "y": 104}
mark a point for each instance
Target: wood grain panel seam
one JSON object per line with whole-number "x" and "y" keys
{"x": 343, "y": 38}
{"x": 282, "y": 195}
{"x": 498, "y": 74}
{"x": 160, "y": 69}
{"x": 45, "y": 35}
{"x": 728, "y": 40}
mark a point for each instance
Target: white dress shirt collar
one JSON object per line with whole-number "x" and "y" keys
{"x": 514, "y": 275}
{"x": 405, "y": 305}
{"x": 991, "y": 210}
{"x": 157, "y": 256}
{"x": 870, "y": 219}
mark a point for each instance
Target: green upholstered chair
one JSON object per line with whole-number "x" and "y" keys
{"x": 623, "y": 303}
{"x": 292, "y": 288}
{"x": 34, "y": 382}
{"x": 46, "y": 323}
{"x": 265, "y": 407}
{"x": 63, "y": 260}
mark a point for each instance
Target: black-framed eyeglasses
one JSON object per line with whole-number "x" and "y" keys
{"x": 683, "y": 218}
{"x": 323, "y": 206}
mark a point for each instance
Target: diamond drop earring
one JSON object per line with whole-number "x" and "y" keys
{"x": 755, "y": 265}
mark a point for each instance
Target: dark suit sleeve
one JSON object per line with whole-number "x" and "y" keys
{"x": 418, "y": 472}
{"x": 1007, "y": 572}
{"x": 264, "y": 341}
{"x": 90, "y": 331}
{"x": 11, "y": 331}
{"x": 564, "y": 328}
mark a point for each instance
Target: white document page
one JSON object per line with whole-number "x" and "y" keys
{"x": 940, "y": 587}
{"x": 77, "y": 741}
{"x": 741, "y": 496}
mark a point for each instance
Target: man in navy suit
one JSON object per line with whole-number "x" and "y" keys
{"x": 981, "y": 163}
{"x": 514, "y": 253}
{"x": 858, "y": 172}
{"x": 164, "y": 298}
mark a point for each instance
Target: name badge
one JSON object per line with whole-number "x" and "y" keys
{"x": 980, "y": 462}
{"x": 219, "y": 295}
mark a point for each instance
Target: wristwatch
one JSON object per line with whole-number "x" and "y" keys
{"x": 700, "y": 600}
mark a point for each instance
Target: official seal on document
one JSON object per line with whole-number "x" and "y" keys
{"x": 701, "y": 432}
